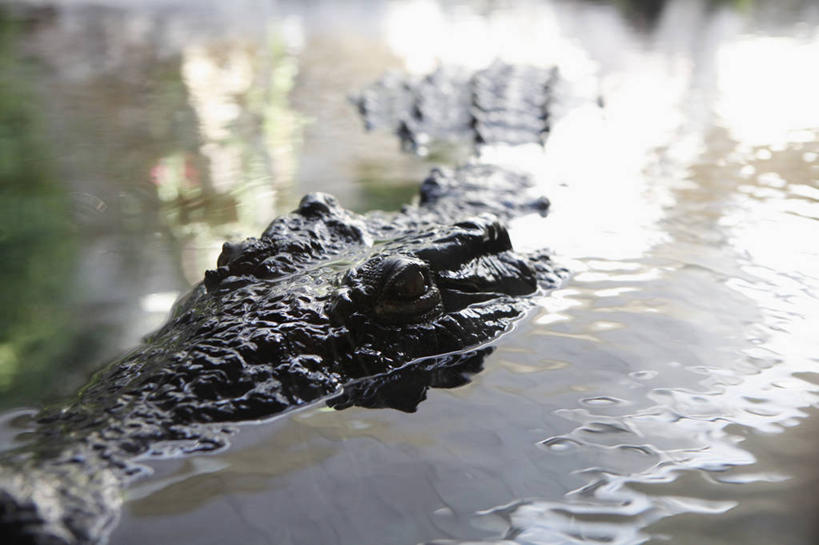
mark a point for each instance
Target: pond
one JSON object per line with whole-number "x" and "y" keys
{"x": 667, "y": 392}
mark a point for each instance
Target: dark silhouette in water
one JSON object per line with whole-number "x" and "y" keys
{"x": 359, "y": 310}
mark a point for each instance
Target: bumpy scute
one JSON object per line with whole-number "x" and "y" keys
{"x": 310, "y": 310}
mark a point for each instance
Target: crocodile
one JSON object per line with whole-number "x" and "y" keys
{"x": 326, "y": 304}
{"x": 502, "y": 104}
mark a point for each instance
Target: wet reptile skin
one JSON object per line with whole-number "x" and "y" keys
{"x": 325, "y": 304}
{"x": 501, "y": 104}
{"x": 367, "y": 310}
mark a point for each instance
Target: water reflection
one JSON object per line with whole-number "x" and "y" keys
{"x": 248, "y": 145}
{"x": 691, "y": 427}
{"x": 665, "y": 393}
{"x": 155, "y": 134}
{"x": 35, "y": 240}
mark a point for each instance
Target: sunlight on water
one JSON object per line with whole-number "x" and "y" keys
{"x": 426, "y": 34}
{"x": 666, "y": 393}
{"x": 753, "y": 69}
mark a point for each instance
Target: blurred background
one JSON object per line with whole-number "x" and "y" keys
{"x": 137, "y": 136}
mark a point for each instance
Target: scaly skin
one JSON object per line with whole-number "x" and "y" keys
{"x": 325, "y": 305}
{"x": 501, "y": 104}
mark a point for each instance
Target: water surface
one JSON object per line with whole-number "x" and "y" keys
{"x": 665, "y": 393}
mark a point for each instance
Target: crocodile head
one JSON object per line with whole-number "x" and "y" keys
{"x": 326, "y": 296}
{"x": 326, "y": 304}
{"x": 439, "y": 291}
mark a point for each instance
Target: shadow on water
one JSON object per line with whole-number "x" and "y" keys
{"x": 405, "y": 388}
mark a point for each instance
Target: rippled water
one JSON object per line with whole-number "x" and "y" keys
{"x": 666, "y": 393}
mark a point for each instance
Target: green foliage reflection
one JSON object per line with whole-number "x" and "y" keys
{"x": 35, "y": 239}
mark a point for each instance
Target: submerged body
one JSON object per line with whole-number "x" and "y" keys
{"x": 501, "y": 104}
{"x": 326, "y": 304}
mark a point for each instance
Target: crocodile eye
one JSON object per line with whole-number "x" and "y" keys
{"x": 409, "y": 284}
{"x": 407, "y": 293}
